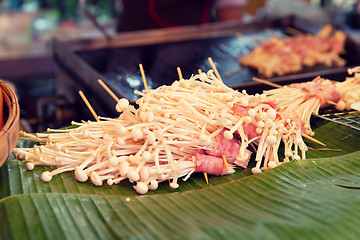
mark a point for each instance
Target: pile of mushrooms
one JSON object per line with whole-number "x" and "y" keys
{"x": 157, "y": 141}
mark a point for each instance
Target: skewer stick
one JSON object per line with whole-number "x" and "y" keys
{"x": 108, "y": 90}
{"x": 312, "y": 139}
{"x": 331, "y": 102}
{"x": 89, "y": 106}
{"x": 267, "y": 82}
{"x": 225, "y": 162}
{"x": 143, "y": 76}
{"x": 179, "y": 73}
{"x": 206, "y": 178}
{"x": 214, "y": 68}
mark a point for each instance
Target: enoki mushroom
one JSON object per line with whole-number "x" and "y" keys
{"x": 349, "y": 90}
{"x": 305, "y": 99}
{"x": 194, "y": 125}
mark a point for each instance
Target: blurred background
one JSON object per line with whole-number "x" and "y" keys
{"x": 43, "y": 73}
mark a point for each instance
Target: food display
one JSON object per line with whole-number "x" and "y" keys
{"x": 194, "y": 125}
{"x": 278, "y": 57}
{"x": 307, "y": 98}
{"x": 193, "y": 159}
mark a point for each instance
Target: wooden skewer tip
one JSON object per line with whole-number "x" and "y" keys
{"x": 206, "y": 178}
{"x": 179, "y": 73}
{"x": 214, "y": 68}
{"x": 267, "y": 82}
{"x": 143, "y": 76}
{"x": 313, "y": 139}
{"x": 89, "y": 106}
{"x": 331, "y": 102}
{"x": 225, "y": 162}
{"x": 112, "y": 94}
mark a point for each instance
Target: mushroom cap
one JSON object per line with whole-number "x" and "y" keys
{"x": 141, "y": 188}
{"x": 46, "y": 176}
{"x": 80, "y": 174}
{"x": 95, "y": 179}
{"x": 30, "y": 166}
{"x": 122, "y": 104}
{"x": 153, "y": 184}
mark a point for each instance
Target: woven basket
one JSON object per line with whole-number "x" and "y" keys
{"x": 9, "y": 134}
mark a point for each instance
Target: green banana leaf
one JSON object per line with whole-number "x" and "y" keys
{"x": 317, "y": 198}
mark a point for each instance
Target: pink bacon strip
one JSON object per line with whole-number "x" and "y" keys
{"x": 325, "y": 92}
{"x": 209, "y": 164}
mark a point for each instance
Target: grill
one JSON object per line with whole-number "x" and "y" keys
{"x": 349, "y": 119}
{"x": 79, "y": 64}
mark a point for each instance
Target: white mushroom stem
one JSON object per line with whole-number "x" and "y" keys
{"x": 47, "y": 176}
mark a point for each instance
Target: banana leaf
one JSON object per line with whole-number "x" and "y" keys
{"x": 316, "y": 198}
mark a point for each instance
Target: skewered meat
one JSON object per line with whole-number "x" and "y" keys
{"x": 290, "y": 55}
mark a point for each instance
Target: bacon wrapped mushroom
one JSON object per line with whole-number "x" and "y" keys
{"x": 194, "y": 125}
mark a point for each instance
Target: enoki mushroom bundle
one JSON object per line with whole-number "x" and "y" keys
{"x": 349, "y": 90}
{"x": 305, "y": 99}
{"x": 194, "y": 125}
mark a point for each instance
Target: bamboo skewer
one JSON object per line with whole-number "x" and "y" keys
{"x": 331, "y": 102}
{"x": 206, "y": 178}
{"x": 225, "y": 162}
{"x": 179, "y": 73}
{"x": 214, "y": 68}
{"x": 143, "y": 76}
{"x": 313, "y": 139}
{"x": 267, "y": 82}
{"x": 108, "y": 90}
{"x": 89, "y": 106}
